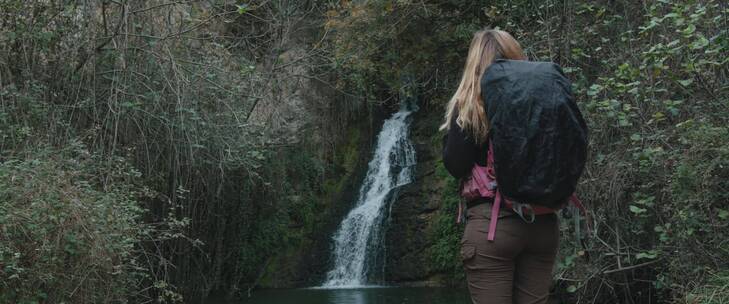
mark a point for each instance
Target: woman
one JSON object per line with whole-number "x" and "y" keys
{"x": 517, "y": 266}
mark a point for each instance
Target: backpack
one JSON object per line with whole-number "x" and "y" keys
{"x": 538, "y": 135}
{"x": 537, "y": 141}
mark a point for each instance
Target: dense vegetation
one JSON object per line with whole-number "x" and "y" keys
{"x": 136, "y": 146}
{"x": 151, "y": 150}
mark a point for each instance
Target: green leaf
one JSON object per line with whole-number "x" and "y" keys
{"x": 594, "y": 89}
{"x": 689, "y": 30}
{"x": 127, "y": 104}
{"x": 723, "y": 214}
{"x": 637, "y": 210}
{"x": 242, "y": 8}
{"x": 686, "y": 82}
{"x": 652, "y": 254}
{"x": 648, "y": 201}
{"x": 700, "y": 43}
{"x": 571, "y": 288}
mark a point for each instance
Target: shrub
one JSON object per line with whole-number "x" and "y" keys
{"x": 71, "y": 230}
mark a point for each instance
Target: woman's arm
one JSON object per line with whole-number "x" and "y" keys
{"x": 459, "y": 151}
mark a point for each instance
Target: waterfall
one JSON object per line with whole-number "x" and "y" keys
{"x": 359, "y": 241}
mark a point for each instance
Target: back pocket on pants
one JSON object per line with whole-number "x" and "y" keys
{"x": 467, "y": 252}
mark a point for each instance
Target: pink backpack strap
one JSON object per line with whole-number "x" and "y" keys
{"x": 497, "y": 197}
{"x": 494, "y": 215}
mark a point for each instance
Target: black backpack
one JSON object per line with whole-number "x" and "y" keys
{"x": 538, "y": 134}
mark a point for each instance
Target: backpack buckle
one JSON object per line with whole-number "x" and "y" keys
{"x": 519, "y": 209}
{"x": 492, "y": 186}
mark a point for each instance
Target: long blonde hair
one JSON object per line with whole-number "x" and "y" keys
{"x": 486, "y": 46}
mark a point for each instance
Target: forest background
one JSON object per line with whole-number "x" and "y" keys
{"x": 162, "y": 151}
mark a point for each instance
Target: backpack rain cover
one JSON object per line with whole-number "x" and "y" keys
{"x": 538, "y": 134}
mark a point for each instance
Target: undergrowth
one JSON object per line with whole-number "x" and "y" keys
{"x": 72, "y": 232}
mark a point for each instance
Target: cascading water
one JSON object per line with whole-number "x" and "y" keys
{"x": 358, "y": 243}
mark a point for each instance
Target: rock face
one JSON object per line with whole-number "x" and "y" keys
{"x": 305, "y": 262}
{"x": 297, "y": 108}
{"x": 413, "y": 212}
{"x": 289, "y": 99}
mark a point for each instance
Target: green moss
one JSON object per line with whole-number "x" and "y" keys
{"x": 307, "y": 209}
{"x": 351, "y": 153}
{"x": 346, "y": 158}
{"x": 444, "y": 233}
{"x": 281, "y": 269}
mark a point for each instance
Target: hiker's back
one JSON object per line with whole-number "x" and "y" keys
{"x": 538, "y": 133}
{"x": 508, "y": 257}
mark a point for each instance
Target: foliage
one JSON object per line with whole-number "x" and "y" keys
{"x": 659, "y": 146}
{"x": 716, "y": 291}
{"x": 444, "y": 255}
{"x": 68, "y": 239}
{"x": 173, "y": 88}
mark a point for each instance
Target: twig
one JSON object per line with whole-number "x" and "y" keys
{"x": 108, "y": 39}
{"x": 159, "y": 6}
{"x": 630, "y": 267}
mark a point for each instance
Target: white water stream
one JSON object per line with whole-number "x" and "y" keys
{"x": 359, "y": 241}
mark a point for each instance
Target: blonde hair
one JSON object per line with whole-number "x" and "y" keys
{"x": 486, "y": 46}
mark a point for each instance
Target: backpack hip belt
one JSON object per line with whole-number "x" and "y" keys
{"x": 533, "y": 210}
{"x": 482, "y": 183}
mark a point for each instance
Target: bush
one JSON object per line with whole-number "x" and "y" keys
{"x": 445, "y": 234}
{"x": 71, "y": 230}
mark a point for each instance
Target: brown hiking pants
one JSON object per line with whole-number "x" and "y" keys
{"x": 516, "y": 268}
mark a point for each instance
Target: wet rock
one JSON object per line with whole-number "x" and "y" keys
{"x": 413, "y": 212}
